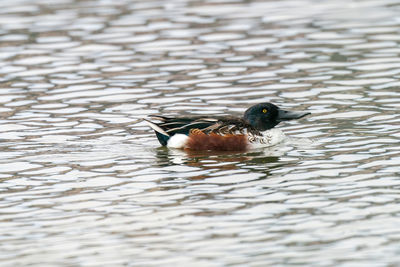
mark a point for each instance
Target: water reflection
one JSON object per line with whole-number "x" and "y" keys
{"x": 230, "y": 167}
{"x": 198, "y": 157}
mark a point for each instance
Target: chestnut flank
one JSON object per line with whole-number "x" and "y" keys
{"x": 201, "y": 141}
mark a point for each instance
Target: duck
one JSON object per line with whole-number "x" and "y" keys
{"x": 224, "y": 133}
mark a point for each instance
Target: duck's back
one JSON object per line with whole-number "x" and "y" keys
{"x": 203, "y": 133}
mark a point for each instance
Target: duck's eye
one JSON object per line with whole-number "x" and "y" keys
{"x": 264, "y": 110}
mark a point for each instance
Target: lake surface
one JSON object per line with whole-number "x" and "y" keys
{"x": 84, "y": 181}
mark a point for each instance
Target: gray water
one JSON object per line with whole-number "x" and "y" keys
{"x": 84, "y": 182}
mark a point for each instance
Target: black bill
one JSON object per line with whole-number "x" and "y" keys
{"x": 284, "y": 115}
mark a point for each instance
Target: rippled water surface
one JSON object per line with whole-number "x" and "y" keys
{"x": 84, "y": 182}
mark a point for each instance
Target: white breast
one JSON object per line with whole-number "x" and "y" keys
{"x": 269, "y": 138}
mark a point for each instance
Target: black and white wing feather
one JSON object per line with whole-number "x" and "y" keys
{"x": 224, "y": 125}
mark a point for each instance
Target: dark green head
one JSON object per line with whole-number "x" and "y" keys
{"x": 266, "y": 116}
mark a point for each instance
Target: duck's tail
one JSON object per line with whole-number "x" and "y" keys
{"x": 161, "y": 134}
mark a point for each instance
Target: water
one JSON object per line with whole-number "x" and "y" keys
{"x": 85, "y": 183}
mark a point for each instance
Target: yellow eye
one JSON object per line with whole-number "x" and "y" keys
{"x": 264, "y": 110}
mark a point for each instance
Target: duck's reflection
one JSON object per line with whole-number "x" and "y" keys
{"x": 211, "y": 161}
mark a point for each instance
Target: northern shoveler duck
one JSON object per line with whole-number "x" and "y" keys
{"x": 255, "y": 129}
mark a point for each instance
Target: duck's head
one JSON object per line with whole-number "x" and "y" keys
{"x": 266, "y": 116}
